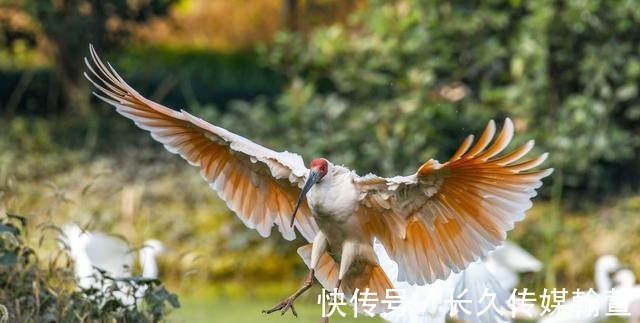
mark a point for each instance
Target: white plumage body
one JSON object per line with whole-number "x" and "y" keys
{"x": 333, "y": 202}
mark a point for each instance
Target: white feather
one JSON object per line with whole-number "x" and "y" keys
{"x": 112, "y": 255}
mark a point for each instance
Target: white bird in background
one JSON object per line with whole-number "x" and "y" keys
{"x": 429, "y": 303}
{"x": 147, "y": 256}
{"x": 508, "y": 261}
{"x": 433, "y": 222}
{"x": 582, "y": 309}
{"x": 76, "y": 241}
{"x": 112, "y": 255}
{"x": 497, "y": 272}
{"x": 627, "y": 291}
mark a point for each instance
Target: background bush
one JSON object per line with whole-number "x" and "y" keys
{"x": 33, "y": 292}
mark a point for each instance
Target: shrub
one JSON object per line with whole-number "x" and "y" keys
{"x": 30, "y": 293}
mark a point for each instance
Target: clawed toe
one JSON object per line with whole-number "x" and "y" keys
{"x": 283, "y": 307}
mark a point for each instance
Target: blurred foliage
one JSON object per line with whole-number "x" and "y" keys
{"x": 408, "y": 77}
{"x": 583, "y": 237}
{"x": 407, "y": 80}
{"x": 132, "y": 192}
{"x": 18, "y": 33}
{"x": 68, "y": 26}
{"x": 30, "y": 293}
{"x": 176, "y": 75}
{"x": 230, "y": 26}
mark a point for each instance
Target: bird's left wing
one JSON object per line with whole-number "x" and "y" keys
{"x": 260, "y": 185}
{"x": 445, "y": 216}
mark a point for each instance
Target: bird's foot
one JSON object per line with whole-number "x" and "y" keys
{"x": 283, "y": 307}
{"x": 325, "y": 319}
{"x": 287, "y": 304}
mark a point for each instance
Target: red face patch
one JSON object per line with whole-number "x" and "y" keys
{"x": 321, "y": 165}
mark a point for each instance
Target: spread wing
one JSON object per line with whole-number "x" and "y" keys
{"x": 260, "y": 185}
{"x": 445, "y": 216}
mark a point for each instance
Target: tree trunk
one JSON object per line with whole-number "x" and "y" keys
{"x": 290, "y": 14}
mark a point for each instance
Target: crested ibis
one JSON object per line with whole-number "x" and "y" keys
{"x": 432, "y": 223}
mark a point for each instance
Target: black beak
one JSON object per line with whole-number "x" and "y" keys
{"x": 313, "y": 178}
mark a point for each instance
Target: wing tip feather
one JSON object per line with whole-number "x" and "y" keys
{"x": 111, "y": 88}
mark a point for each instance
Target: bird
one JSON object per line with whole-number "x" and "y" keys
{"x": 624, "y": 281}
{"x": 433, "y": 222}
{"x": 112, "y": 256}
{"x": 432, "y": 303}
{"x": 150, "y": 250}
{"x": 584, "y": 308}
{"x": 497, "y": 272}
{"x": 75, "y": 241}
{"x": 507, "y": 261}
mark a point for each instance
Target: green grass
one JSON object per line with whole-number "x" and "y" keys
{"x": 250, "y": 310}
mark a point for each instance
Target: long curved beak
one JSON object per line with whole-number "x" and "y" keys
{"x": 313, "y": 178}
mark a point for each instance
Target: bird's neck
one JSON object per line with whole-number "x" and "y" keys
{"x": 148, "y": 264}
{"x": 603, "y": 283}
{"x": 335, "y": 175}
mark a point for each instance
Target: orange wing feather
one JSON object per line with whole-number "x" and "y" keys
{"x": 260, "y": 185}
{"x": 446, "y": 216}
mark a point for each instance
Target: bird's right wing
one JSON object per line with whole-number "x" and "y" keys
{"x": 260, "y": 185}
{"x": 445, "y": 216}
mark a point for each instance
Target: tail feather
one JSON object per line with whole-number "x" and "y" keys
{"x": 372, "y": 279}
{"x": 326, "y": 271}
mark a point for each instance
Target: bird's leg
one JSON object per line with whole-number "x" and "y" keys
{"x": 317, "y": 249}
{"x": 287, "y": 303}
{"x": 349, "y": 252}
